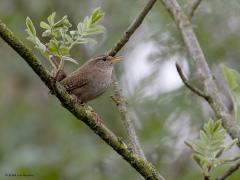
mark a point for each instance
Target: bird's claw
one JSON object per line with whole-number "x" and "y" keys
{"x": 76, "y": 100}
{"x": 96, "y": 118}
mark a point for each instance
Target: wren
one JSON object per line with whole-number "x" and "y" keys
{"x": 91, "y": 79}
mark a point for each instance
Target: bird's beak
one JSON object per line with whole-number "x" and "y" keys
{"x": 113, "y": 60}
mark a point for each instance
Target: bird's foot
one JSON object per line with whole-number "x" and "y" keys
{"x": 76, "y": 100}
{"x": 58, "y": 75}
{"x": 97, "y": 119}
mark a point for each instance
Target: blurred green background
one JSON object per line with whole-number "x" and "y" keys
{"x": 38, "y": 136}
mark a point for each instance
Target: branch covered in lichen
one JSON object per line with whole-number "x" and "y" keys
{"x": 83, "y": 113}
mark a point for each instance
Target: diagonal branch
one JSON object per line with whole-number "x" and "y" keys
{"x": 203, "y": 70}
{"x": 192, "y": 7}
{"x": 230, "y": 171}
{"x": 118, "y": 95}
{"x": 83, "y": 113}
{"x": 131, "y": 29}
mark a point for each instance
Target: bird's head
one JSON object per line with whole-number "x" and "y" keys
{"x": 104, "y": 61}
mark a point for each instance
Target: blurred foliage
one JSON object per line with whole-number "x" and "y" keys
{"x": 233, "y": 81}
{"x": 40, "y": 137}
{"x": 209, "y": 148}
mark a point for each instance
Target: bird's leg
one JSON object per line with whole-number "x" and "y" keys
{"x": 96, "y": 117}
{"x": 76, "y": 100}
{"x": 58, "y": 73}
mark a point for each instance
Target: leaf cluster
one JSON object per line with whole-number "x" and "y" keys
{"x": 210, "y": 146}
{"x": 60, "y": 38}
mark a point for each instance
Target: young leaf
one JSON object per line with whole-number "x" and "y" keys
{"x": 46, "y": 33}
{"x": 73, "y": 33}
{"x": 189, "y": 144}
{"x": 68, "y": 38}
{"x": 63, "y": 23}
{"x": 53, "y": 47}
{"x": 63, "y": 50}
{"x": 198, "y": 159}
{"x": 44, "y": 25}
{"x": 97, "y": 15}
{"x": 30, "y": 27}
{"x": 51, "y": 18}
{"x": 233, "y": 80}
{"x": 40, "y": 45}
{"x": 65, "y": 58}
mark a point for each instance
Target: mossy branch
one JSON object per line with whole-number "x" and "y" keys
{"x": 83, "y": 113}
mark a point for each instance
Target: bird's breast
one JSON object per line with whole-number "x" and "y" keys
{"x": 101, "y": 80}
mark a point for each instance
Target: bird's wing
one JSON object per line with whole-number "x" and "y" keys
{"x": 75, "y": 81}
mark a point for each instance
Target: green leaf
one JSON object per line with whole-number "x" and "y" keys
{"x": 53, "y": 47}
{"x": 63, "y": 50}
{"x": 189, "y": 144}
{"x": 65, "y": 58}
{"x": 73, "y": 33}
{"x": 217, "y": 125}
{"x": 39, "y": 45}
{"x": 97, "y": 15}
{"x": 68, "y": 38}
{"x": 198, "y": 159}
{"x": 231, "y": 76}
{"x": 233, "y": 80}
{"x": 79, "y": 28}
{"x": 97, "y": 29}
{"x": 30, "y": 27}
{"x": 86, "y": 24}
{"x": 46, "y": 33}
{"x": 51, "y": 18}
{"x": 63, "y": 23}
{"x": 89, "y": 25}
{"x": 44, "y": 25}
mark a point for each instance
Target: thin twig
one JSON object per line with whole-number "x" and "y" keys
{"x": 131, "y": 29}
{"x": 203, "y": 70}
{"x": 122, "y": 107}
{"x": 190, "y": 86}
{"x": 193, "y": 5}
{"x": 118, "y": 96}
{"x": 83, "y": 113}
{"x": 230, "y": 171}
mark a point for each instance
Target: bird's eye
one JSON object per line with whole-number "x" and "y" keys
{"x": 104, "y": 59}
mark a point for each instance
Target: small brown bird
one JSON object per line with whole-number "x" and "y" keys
{"x": 91, "y": 79}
